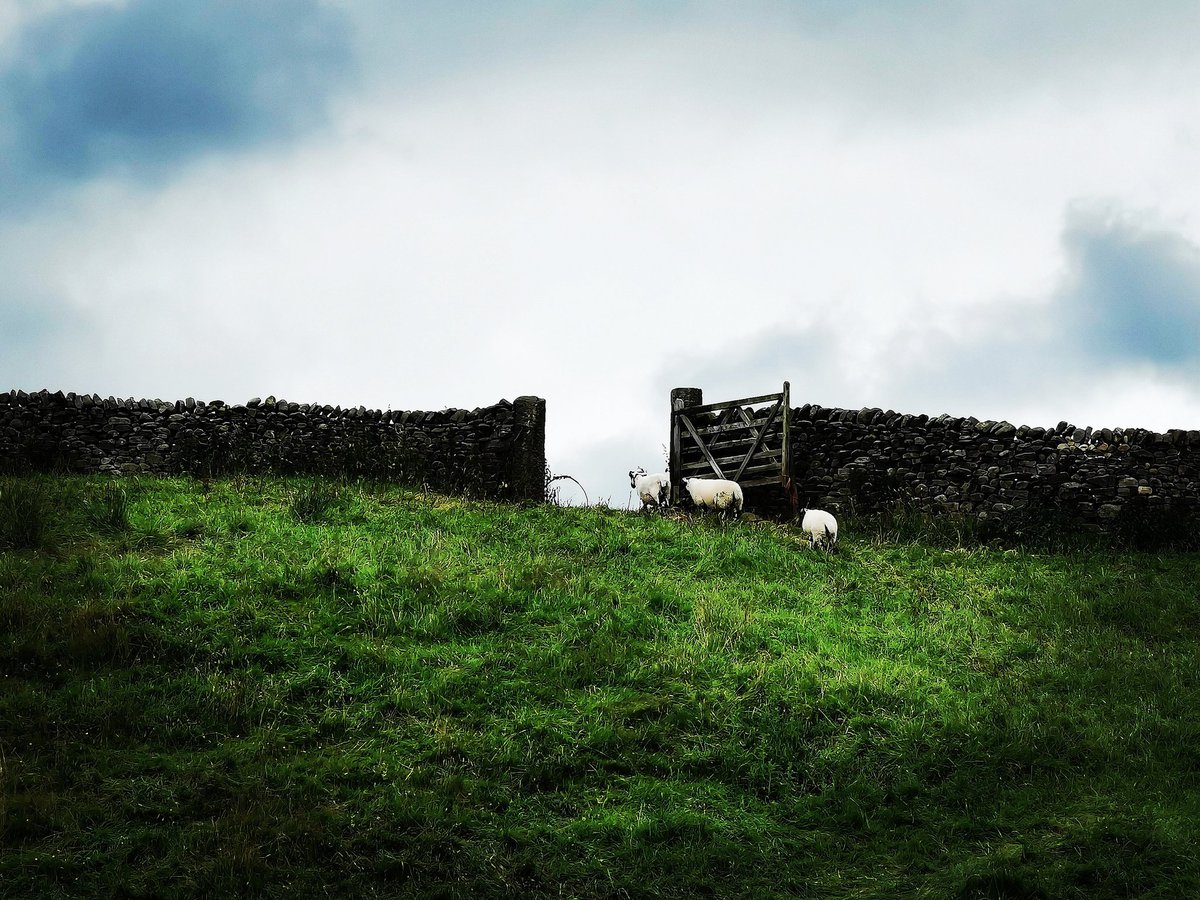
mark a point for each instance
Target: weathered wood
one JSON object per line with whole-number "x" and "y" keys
{"x": 730, "y": 456}
{"x": 733, "y": 437}
{"x": 729, "y": 463}
{"x": 728, "y": 417}
{"x": 759, "y": 482}
{"x": 736, "y": 445}
{"x": 730, "y": 452}
{"x": 692, "y": 431}
{"x": 787, "y": 432}
{"x": 696, "y": 470}
{"x": 726, "y": 444}
{"x": 680, "y": 397}
{"x": 748, "y": 481}
{"x": 676, "y": 458}
{"x": 732, "y": 428}
{"x": 762, "y": 468}
{"x": 740, "y": 437}
{"x": 774, "y": 456}
{"x": 747, "y": 419}
{"x": 758, "y": 439}
{"x": 713, "y": 407}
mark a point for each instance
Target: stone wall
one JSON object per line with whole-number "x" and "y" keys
{"x": 497, "y": 451}
{"x": 869, "y": 460}
{"x": 866, "y": 459}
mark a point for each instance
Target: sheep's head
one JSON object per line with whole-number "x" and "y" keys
{"x": 634, "y": 474}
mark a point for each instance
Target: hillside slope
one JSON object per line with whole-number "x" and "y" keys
{"x": 278, "y": 686}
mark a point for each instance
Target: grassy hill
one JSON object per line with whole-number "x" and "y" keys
{"x": 279, "y": 686}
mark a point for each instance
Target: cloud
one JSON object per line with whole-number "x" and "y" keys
{"x": 39, "y": 336}
{"x": 140, "y": 87}
{"x": 23, "y": 326}
{"x": 808, "y": 358}
{"x": 602, "y": 202}
{"x": 1115, "y": 339}
{"x": 1133, "y": 290}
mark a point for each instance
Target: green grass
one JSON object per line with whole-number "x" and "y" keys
{"x": 290, "y": 687}
{"x": 23, "y": 515}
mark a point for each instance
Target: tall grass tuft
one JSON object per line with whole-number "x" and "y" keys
{"x": 901, "y": 523}
{"x": 313, "y": 501}
{"x": 24, "y": 515}
{"x": 108, "y": 509}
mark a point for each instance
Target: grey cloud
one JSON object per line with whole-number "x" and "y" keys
{"x": 139, "y": 87}
{"x": 39, "y": 337}
{"x": 812, "y": 361}
{"x": 1134, "y": 292}
{"x": 808, "y": 358}
{"x": 916, "y": 371}
{"x": 861, "y": 58}
{"x": 1131, "y": 297}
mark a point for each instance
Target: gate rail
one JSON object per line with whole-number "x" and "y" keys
{"x": 731, "y": 439}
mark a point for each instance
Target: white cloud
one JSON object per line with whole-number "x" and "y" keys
{"x": 628, "y": 208}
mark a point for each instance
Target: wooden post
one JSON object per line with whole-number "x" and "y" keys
{"x": 788, "y": 484}
{"x": 681, "y": 398}
{"x": 787, "y": 432}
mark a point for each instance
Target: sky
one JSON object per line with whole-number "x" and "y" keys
{"x": 973, "y": 208}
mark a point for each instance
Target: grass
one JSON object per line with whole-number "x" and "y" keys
{"x": 292, "y": 687}
{"x": 312, "y": 501}
{"x": 23, "y": 516}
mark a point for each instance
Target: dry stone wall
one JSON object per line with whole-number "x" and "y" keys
{"x": 1012, "y": 477}
{"x": 497, "y": 451}
{"x": 868, "y": 459}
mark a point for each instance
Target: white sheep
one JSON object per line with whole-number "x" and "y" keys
{"x": 654, "y": 490}
{"x": 820, "y": 526}
{"x": 716, "y": 493}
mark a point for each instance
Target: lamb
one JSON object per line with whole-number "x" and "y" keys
{"x": 654, "y": 490}
{"x": 716, "y": 493}
{"x": 821, "y": 527}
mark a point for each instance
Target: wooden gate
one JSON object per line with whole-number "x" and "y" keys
{"x": 732, "y": 440}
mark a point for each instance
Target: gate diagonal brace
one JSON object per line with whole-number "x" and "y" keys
{"x": 758, "y": 438}
{"x": 699, "y": 443}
